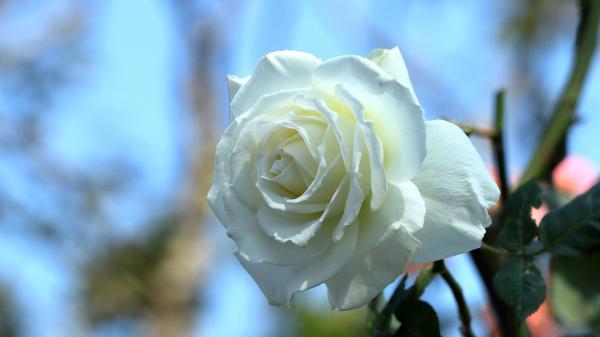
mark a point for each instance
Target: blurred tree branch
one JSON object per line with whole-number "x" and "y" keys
{"x": 8, "y": 319}
{"x": 177, "y": 279}
{"x": 563, "y": 115}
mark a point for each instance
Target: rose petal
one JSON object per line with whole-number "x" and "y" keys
{"x": 276, "y": 71}
{"x": 373, "y": 146}
{"x": 289, "y": 227}
{"x": 318, "y": 194}
{"x": 457, "y": 190}
{"x": 280, "y": 283}
{"x": 234, "y": 83}
{"x": 339, "y": 125}
{"x": 242, "y": 226}
{"x": 300, "y": 152}
{"x": 310, "y": 128}
{"x": 291, "y": 179}
{"x": 300, "y": 227}
{"x": 389, "y": 105}
{"x": 355, "y": 196}
{"x": 385, "y": 246}
{"x": 392, "y": 62}
{"x": 236, "y": 151}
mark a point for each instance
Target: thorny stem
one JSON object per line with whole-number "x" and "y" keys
{"x": 488, "y": 264}
{"x": 381, "y": 321}
{"x": 463, "y": 308}
{"x": 503, "y": 252}
{"x": 563, "y": 114}
{"x": 498, "y": 144}
{"x": 425, "y": 277}
{"x": 495, "y": 250}
{"x": 472, "y": 130}
{"x": 497, "y": 138}
{"x": 543, "y": 158}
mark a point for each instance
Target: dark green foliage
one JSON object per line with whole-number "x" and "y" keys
{"x": 518, "y": 229}
{"x": 417, "y": 319}
{"x": 521, "y": 285}
{"x": 574, "y": 229}
{"x": 575, "y": 291}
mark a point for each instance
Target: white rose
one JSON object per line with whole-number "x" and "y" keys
{"x": 328, "y": 173}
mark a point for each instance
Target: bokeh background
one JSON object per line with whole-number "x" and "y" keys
{"x": 110, "y": 111}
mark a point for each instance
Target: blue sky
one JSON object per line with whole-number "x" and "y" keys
{"x": 127, "y": 104}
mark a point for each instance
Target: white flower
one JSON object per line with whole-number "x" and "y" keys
{"x": 328, "y": 173}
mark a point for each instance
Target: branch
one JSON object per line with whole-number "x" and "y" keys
{"x": 425, "y": 277}
{"x": 498, "y": 144}
{"x": 463, "y": 308}
{"x": 564, "y": 111}
{"x": 472, "y": 130}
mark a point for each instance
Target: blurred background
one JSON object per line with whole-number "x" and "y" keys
{"x": 110, "y": 112}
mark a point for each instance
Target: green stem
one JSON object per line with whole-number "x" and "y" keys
{"x": 425, "y": 277}
{"x": 503, "y": 252}
{"x": 379, "y": 321}
{"x": 498, "y": 144}
{"x": 374, "y": 307}
{"x": 487, "y": 265}
{"x": 472, "y": 130}
{"x": 495, "y": 250}
{"x": 563, "y": 113}
{"x": 463, "y": 308}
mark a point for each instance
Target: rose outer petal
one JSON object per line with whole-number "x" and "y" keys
{"x": 253, "y": 243}
{"x": 457, "y": 190}
{"x": 280, "y": 283}
{"x": 373, "y": 145}
{"x": 385, "y": 246}
{"x": 276, "y": 71}
{"x": 234, "y": 84}
{"x": 397, "y": 118}
{"x": 392, "y": 62}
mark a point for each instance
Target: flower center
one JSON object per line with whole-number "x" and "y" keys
{"x": 289, "y": 165}
{"x": 282, "y": 160}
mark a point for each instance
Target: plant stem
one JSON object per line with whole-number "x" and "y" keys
{"x": 373, "y": 310}
{"x": 498, "y": 144}
{"x": 544, "y": 156}
{"x": 463, "y": 308}
{"x": 425, "y": 277}
{"x": 487, "y": 266}
{"x": 472, "y": 130}
{"x": 379, "y": 321}
{"x": 495, "y": 250}
{"x": 563, "y": 113}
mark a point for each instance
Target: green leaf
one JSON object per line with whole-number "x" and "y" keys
{"x": 574, "y": 229}
{"x": 417, "y": 319}
{"x": 518, "y": 229}
{"x": 521, "y": 285}
{"x": 575, "y": 291}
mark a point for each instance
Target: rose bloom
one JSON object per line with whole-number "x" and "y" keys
{"x": 328, "y": 173}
